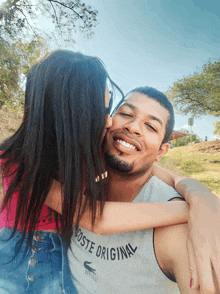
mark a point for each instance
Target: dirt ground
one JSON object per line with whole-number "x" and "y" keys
{"x": 212, "y": 147}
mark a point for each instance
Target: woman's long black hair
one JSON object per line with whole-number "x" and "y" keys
{"x": 60, "y": 138}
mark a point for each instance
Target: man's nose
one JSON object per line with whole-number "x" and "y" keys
{"x": 133, "y": 127}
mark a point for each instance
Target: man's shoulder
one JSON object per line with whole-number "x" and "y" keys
{"x": 156, "y": 190}
{"x": 158, "y": 183}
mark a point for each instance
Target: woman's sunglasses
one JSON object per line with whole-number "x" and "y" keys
{"x": 109, "y": 108}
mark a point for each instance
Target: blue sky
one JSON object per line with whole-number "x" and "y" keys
{"x": 154, "y": 43}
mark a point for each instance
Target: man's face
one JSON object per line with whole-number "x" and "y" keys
{"x": 133, "y": 142}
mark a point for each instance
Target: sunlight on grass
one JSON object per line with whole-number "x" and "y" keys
{"x": 201, "y": 162}
{"x": 9, "y": 123}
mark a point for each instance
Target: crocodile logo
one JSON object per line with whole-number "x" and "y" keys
{"x": 89, "y": 268}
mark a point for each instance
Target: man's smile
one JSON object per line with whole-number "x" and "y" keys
{"x": 125, "y": 143}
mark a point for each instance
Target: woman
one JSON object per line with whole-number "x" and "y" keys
{"x": 58, "y": 145}
{"x": 66, "y": 103}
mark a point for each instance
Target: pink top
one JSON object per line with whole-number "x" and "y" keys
{"x": 46, "y": 221}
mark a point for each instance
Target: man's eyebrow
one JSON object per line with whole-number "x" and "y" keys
{"x": 155, "y": 118}
{"x": 149, "y": 115}
{"x": 129, "y": 105}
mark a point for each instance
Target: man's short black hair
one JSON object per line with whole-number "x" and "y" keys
{"x": 163, "y": 100}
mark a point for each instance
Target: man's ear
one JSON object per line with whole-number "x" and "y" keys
{"x": 163, "y": 150}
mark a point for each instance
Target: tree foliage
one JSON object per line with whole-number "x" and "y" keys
{"x": 198, "y": 94}
{"x": 22, "y": 40}
{"x": 18, "y": 18}
{"x": 186, "y": 140}
{"x": 9, "y": 72}
{"x": 15, "y": 62}
{"x": 217, "y": 128}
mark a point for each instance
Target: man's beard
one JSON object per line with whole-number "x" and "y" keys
{"x": 118, "y": 164}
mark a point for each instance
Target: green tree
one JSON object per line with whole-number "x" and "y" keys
{"x": 29, "y": 52}
{"x": 18, "y": 19}
{"x": 15, "y": 62}
{"x": 186, "y": 140}
{"x": 198, "y": 94}
{"x": 9, "y": 72}
{"x": 217, "y": 128}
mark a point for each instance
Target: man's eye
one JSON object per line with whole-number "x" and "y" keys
{"x": 125, "y": 114}
{"x": 151, "y": 127}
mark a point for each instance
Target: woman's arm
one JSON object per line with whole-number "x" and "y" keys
{"x": 166, "y": 176}
{"x": 120, "y": 217}
{"x": 204, "y": 227}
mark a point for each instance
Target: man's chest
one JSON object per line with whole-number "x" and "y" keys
{"x": 106, "y": 264}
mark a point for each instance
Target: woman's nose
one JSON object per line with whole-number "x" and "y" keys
{"x": 108, "y": 122}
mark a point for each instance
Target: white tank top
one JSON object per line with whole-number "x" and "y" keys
{"x": 122, "y": 263}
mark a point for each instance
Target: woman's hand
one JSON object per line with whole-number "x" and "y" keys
{"x": 204, "y": 230}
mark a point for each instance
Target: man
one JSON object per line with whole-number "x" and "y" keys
{"x": 141, "y": 261}
{"x": 131, "y": 262}
{"x": 204, "y": 231}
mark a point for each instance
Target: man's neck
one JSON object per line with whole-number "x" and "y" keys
{"x": 124, "y": 187}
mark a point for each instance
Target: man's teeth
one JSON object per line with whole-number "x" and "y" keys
{"x": 126, "y": 144}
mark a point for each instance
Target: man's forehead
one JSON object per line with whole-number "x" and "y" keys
{"x": 139, "y": 98}
{"x": 129, "y": 95}
{"x": 133, "y": 96}
{"x": 142, "y": 102}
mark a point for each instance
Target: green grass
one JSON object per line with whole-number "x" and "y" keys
{"x": 9, "y": 123}
{"x": 199, "y": 161}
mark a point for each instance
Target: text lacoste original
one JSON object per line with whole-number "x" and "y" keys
{"x": 113, "y": 253}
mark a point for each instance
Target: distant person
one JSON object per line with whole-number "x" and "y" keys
{"x": 206, "y": 138}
